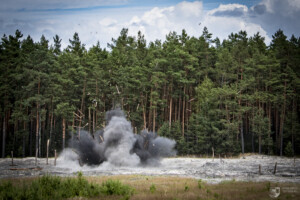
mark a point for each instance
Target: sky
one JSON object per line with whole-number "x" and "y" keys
{"x": 102, "y": 20}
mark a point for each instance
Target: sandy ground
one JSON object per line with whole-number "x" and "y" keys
{"x": 210, "y": 170}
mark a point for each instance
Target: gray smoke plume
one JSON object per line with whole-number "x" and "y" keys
{"x": 118, "y": 145}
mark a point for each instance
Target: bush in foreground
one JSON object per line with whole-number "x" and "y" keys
{"x": 112, "y": 187}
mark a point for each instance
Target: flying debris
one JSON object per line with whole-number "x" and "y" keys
{"x": 118, "y": 145}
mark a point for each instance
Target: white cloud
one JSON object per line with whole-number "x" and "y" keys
{"x": 158, "y": 22}
{"x": 232, "y": 18}
{"x": 277, "y": 14}
{"x": 154, "y": 22}
{"x": 286, "y": 7}
{"x": 224, "y": 26}
{"x": 108, "y": 22}
{"x": 56, "y": 4}
{"x": 294, "y": 4}
{"x": 233, "y": 10}
{"x": 189, "y": 9}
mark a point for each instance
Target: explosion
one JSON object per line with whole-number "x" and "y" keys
{"x": 118, "y": 145}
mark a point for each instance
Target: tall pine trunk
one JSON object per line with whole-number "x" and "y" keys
{"x": 269, "y": 127}
{"x": 95, "y": 109}
{"x": 259, "y": 133}
{"x": 150, "y": 111}
{"x": 179, "y": 109}
{"x": 241, "y": 128}
{"x": 30, "y": 135}
{"x": 293, "y": 126}
{"x": 144, "y": 116}
{"x": 79, "y": 125}
{"x": 94, "y": 116}
{"x": 40, "y": 136}
{"x": 64, "y": 132}
{"x": 37, "y": 129}
{"x": 170, "y": 113}
{"x": 82, "y": 107}
{"x": 51, "y": 129}
{"x": 3, "y": 136}
{"x": 72, "y": 132}
{"x": 277, "y": 132}
{"x": 24, "y": 139}
{"x": 154, "y": 113}
{"x": 90, "y": 121}
{"x": 282, "y": 120}
{"x": 175, "y": 111}
{"x": 252, "y": 131}
{"x": 183, "y": 111}
{"x": 242, "y": 136}
{"x": 51, "y": 124}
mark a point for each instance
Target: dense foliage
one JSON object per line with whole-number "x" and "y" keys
{"x": 235, "y": 96}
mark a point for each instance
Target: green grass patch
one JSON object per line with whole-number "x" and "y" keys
{"x": 52, "y": 187}
{"x": 121, "y": 187}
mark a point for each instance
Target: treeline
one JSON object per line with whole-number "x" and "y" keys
{"x": 235, "y": 96}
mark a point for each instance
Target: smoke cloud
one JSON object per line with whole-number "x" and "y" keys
{"x": 118, "y": 145}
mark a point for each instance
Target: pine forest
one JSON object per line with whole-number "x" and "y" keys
{"x": 239, "y": 95}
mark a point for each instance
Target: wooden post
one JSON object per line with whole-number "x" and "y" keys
{"x": 213, "y": 153}
{"x": 47, "y": 150}
{"x": 275, "y": 168}
{"x": 36, "y": 154}
{"x": 294, "y": 161}
{"x": 12, "y": 158}
{"x": 259, "y": 169}
{"x": 55, "y": 157}
{"x": 296, "y": 169}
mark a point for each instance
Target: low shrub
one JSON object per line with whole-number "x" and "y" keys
{"x": 186, "y": 187}
{"x": 115, "y": 187}
{"x": 152, "y": 188}
{"x": 200, "y": 184}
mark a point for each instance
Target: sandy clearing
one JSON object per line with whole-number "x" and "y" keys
{"x": 210, "y": 170}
